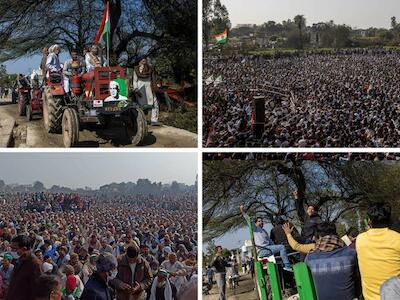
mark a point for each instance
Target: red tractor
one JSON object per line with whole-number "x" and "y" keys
{"x": 29, "y": 98}
{"x": 87, "y": 103}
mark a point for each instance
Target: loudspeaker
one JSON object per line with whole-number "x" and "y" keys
{"x": 259, "y": 116}
{"x": 259, "y": 110}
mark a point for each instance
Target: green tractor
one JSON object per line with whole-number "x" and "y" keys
{"x": 267, "y": 278}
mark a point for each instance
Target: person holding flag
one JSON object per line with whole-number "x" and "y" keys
{"x": 103, "y": 35}
{"x": 92, "y": 59}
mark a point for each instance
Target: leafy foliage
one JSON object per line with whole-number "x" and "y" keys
{"x": 297, "y": 34}
{"x": 147, "y": 27}
{"x": 215, "y": 19}
{"x": 342, "y": 190}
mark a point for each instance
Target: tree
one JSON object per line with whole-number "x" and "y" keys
{"x": 215, "y": 19}
{"x": 393, "y": 22}
{"x": 207, "y": 11}
{"x": 300, "y": 22}
{"x": 38, "y": 186}
{"x": 265, "y": 188}
{"x": 342, "y": 36}
{"x": 144, "y": 27}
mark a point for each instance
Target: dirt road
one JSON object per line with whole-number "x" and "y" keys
{"x": 32, "y": 134}
{"x": 244, "y": 291}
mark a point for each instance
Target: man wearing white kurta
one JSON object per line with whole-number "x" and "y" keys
{"x": 176, "y": 269}
{"x": 143, "y": 82}
{"x": 93, "y": 59}
{"x": 53, "y": 61}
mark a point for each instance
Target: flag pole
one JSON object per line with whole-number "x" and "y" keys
{"x": 108, "y": 35}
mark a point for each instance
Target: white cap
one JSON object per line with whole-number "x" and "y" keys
{"x": 47, "y": 267}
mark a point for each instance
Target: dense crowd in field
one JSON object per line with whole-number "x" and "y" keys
{"x": 121, "y": 247}
{"x": 341, "y": 99}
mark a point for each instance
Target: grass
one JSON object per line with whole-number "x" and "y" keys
{"x": 306, "y": 50}
{"x": 181, "y": 117}
{"x": 271, "y": 51}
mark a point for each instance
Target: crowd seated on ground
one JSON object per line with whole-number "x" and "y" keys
{"x": 370, "y": 156}
{"x": 344, "y": 99}
{"x": 71, "y": 246}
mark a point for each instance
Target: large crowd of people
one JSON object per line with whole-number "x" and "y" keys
{"x": 370, "y": 156}
{"x": 343, "y": 99}
{"x": 95, "y": 247}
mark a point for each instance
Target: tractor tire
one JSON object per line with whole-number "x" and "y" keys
{"x": 145, "y": 131}
{"x": 22, "y": 103}
{"x": 70, "y": 128}
{"x": 137, "y": 128}
{"x": 52, "y": 113}
{"x": 104, "y": 122}
{"x": 28, "y": 113}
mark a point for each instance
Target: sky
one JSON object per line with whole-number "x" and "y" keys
{"x": 235, "y": 239}
{"x": 356, "y": 13}
{"x": 77, "y": 170}
{"x": 25, "y": 65}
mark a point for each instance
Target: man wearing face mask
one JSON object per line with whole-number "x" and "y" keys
{"x": 97, "y": 286}
{"x": 134, "y": 275}
{"x": 162, "y": 288}
{"x": 26, "y": 270}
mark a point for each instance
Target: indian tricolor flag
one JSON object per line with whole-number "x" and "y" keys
{"x": 222, "y": 38}
{"x": 104, "y": 31}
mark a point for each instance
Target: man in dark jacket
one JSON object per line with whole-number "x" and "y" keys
{"x": 134, "y": 275}
{"x": 333, "y": 266}
{"x": 96, "y": 287}
{"x": 220, "y": 265}
{"x": 26, "y": 270}
{"x": 310, "y": 223}
{"x": 278, "y": 236}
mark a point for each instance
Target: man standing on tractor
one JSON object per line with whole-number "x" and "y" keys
{"x": 45, "y": 53}
{"x": 93, "y": 59}
{"x": 75, "y": 65}
{"x": 144, "y": 84}
{"x": 53, "y": 60}
{"x": 311, "y": 221}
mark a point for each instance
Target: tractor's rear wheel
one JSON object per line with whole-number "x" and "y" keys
{"x": 28, "y": 113}
{"x": 104, "y": 121}
{"x": 70, "y": 128}
{"x": 137, "y": 128}
{"x": 22, "y": 103}
{"x": 52, "y": 112}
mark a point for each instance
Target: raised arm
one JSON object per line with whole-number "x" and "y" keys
{"x": 303, "y": 248}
